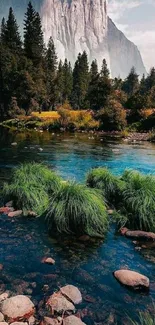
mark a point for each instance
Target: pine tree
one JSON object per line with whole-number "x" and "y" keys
{"x": 51, "y": 57}
{"x": 104, "y": 70}
{"x": 150, "y": 80}
{"x": 80, "y": 81}
{"x": 10, "y": 33}
{"x": 67, "y": 81}
{"x": 33, "y": 35}
{"x": 93, "y": 86}
{"x": 131, "y": 84}
{"x": 60, "y": 83}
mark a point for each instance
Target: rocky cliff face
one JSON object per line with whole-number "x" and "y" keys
{"x": 84, "y": 25}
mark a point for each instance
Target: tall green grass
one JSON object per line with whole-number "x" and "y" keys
{"x": 110, "y": 185}
{"x": 139, "y": 200}
{"x": 30, "y": 187}
{"x": 77, "y": 209}
{"x": 145, "y": 319}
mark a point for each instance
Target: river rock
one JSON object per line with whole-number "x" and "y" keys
{"x": 132, "y": 279}
{"x": 9, "y": 204}
{"x": 19, "y": 323}
{"x": 138, "y": 234}
{"x": 3, "y": 323}
{"x": 17, "y": 213}
{"x": 17, "y": 308}
{"x": 50, "y": 321}
{"x": 72, "y": 293}
{"x": 1, "y": 317}
{"x": 1, "y": 267}
{"x": 48, "y": 260}
{"x": 73, "y": 320}
{"x": 5, "y": 210}
{"x": 59, "y": 303}
{"x": 4, "y": 296}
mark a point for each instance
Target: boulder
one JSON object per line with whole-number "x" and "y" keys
{"x": 132, "y": 279}
{"x": 138, "y": 234}
{"x": 72, "y": 293}
{"x": 1, "y": 317}
{"x": 17, "y": 308}
{"x": 17, "y": 213}
{"x": 73, "y": 320}
{"x": 59, "y": 303}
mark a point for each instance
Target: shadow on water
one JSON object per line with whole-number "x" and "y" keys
{"x": 90, "y": 266}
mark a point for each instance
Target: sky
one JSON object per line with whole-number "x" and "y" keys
{"x": 136, "y": 18}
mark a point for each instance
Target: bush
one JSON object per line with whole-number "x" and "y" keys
{"x": 113, "y": 116}
{"x": 77, "y": 209}
{"x": 31, "y": 186}
{"x": 139, "y": 200}
{"x": 110, "y": 185}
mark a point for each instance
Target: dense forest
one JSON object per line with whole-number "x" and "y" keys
{"x": 32, "y": 79}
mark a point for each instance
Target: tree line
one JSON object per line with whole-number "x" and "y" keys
{"x": 32, "y": 78}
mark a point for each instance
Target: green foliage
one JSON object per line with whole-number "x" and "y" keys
{"x": 77, "y": 209}
{"x": 110, "y": 185}
{"x": 138, "y": 199}
{"x": 113, "y": 116}
{"x": 31, "y": 186}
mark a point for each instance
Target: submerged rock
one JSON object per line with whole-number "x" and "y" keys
{"x": 50, "y": 321}
{"x": 5, "y": 210}
{"x": 17, "y": 308}
{"x": 4, "y": 296}
{"x": 48, "y": 260}
{"x": 73, "y": 320}
{"x": 132, "y": 279}
{"x": 72, "y": 293}
{"x": 1, "y": 317}
{"x": 17, "y": 213}
{"x": 58, "y": 303}
{"x": 138, "y": 234}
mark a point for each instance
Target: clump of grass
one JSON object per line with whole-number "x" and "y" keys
{"x": 145, "y": 319}
{"x": 139, "y": 200}
{"x": 110, "y": 185}
{"x": 31, "y": 186}
{"x": 77, "y": 209}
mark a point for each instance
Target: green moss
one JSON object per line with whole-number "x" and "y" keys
{"x": 77, "y": 209}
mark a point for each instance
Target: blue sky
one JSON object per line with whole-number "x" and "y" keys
{"x": 136, "y": 18}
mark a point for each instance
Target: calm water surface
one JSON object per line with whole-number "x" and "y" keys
{"x": 23, "y": 243}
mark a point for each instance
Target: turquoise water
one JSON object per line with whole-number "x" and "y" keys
{"x": 23, "y": 243}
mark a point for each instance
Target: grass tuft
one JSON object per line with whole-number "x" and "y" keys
{"x": 145, "y": 319}
{"x": 77, "y": 209}
{"x": 31, "y": 185}
{"x": 139, "y": 200}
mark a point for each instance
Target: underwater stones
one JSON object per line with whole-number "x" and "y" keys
{"x": 132, "y": 279}
{"x": 48, "y": 260}
{"x": 17, "y": 213}
{"x": 18, "y": 307}
{"x": 1, "y": 267}
{"x": 50, "y": 321}
{"x": 72, "y": 293}
{"x": 58, "y": 303}
{"x": 5, "y": 210}
{"x": 138, "y": 234}
{"x": 72, "y": 320}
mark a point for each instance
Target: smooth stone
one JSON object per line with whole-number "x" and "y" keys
{"x": 138, "y": 234}
{"x": 73, "y": 320}
{"x": 5, "y": 210}
{"x": 3, "y": 323}
{"x": 1, "y": 317}
{"x": 17, "y": 213}
{"x": 31, "y": 320}
{"x": 132, "y": 279}
{"x": 73, "y": 293}
{"x": 19, "y": 323}
{"x": 50, "y": 321}
{"x": 1, "y": 267}
{"x": 49, "y": 260}
{"x": 14, "y": 143}
{"x": 18, "y": 307}
{"x": 4, "y": 296}
{"x": 59, "y": 303}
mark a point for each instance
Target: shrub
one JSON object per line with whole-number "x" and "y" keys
{"x": 110, "y": 185}
{"x": 31, "y": 186}
{"x": 77, "y": 209}
{"x": 113, "y": 116}
{"x": 139, "y": 200}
